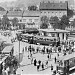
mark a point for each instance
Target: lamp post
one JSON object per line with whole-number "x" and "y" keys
{"x": 19, "y": 51}
{"x": 19, "y": 47}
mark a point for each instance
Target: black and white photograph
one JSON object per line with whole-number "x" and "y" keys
{"x": 37, "y": 37}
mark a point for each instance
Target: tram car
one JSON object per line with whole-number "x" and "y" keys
{"x": 45, "y": 40}
{"x": 37, "y": 39}
{"x": 66, "y": 64}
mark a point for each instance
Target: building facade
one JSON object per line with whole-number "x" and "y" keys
{"x": 31, "y": 19}
{"x": 15, "y": 14}
{"x": 53, "y": 9}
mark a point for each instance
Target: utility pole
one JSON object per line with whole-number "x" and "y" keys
{"x": 19, "y": 38}
{"x": 19, "y": 51}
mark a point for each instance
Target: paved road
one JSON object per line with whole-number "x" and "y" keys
{"x": 26, "y": 66}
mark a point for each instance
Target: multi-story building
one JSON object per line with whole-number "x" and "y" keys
{"x": 53, "y": 9}
{"x": 31, "y": 19}
{"x": 15, "y": 14}
{"x": 2, "y": 12}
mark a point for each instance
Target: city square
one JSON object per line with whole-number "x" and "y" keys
{"x": 37, "y": 37}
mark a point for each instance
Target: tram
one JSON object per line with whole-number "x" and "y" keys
{"x": 45, "y": 40}
{"x": 36, "y": 39}
{"x": 66, "y": 64}
{"x": 26, "y": 37}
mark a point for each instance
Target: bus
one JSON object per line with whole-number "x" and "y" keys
{"x": 66, "y": 63}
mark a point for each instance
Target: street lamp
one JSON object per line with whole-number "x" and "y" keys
{"x": 19, "y": 38}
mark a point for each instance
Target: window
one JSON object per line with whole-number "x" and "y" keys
{"x": 24, "y": 20}
{"x": 30, "y": 20}
{"x": 60, "y": 5}
{"x": 36, "y": 20}
{"x": 53, "y": 35}
{"x": 56, "y": 12}
{"x": 63, "y": 35}
{"x": 58, "y": 35}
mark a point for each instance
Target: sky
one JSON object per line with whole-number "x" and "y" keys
{"x": 28, "y": 2}
{"x": 6, "y": 0}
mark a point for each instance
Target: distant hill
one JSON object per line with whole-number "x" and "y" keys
{"x": 24, "y": 3}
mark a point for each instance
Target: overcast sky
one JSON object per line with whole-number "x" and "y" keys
{"x": 6, "y": 0}
{"x": 24, "y": 0}
{"x": 28, "y": 2}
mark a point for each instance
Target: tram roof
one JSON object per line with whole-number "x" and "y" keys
{"x": 45, "y": 37}
{"x": 27, "y": 34}
{"x": 54, "y": 31}
{"x": 7, "y": 49}
{"x": 67, "y": 57}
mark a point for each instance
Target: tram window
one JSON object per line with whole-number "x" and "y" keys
{"x": 44, "y": 39}
{"x": 63, "y": 35}
{"x": 74, "y": 60}
{"x": 37, "y": 38}
{"x": 54, "y": 39}
{"x": 51, "y": 40}
{"x": 47, "y": 39}
{"x": 41, "y": 38}
{"x": 53, "y": 35}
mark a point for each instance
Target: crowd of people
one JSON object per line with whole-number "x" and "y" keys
{"x": 64, "y": 48}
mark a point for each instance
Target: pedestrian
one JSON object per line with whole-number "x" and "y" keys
{"x": 38, "y": 67}
{"x": 28, "y": 57}
{"x": 35, "y": 62}
{"x": 42, "y": 66}
{"x": 47, "y": 63}
{"x": 51, "y": 67}
{"x": 39, "y": 62}
{"x": 30, "y": 51}
{"x": 26, "y": 48}
{"x": 47, "y": 50}
{"x": 58, "y": 54}
{"x": 33, "y": 49}
{"x": 23, "y": 50}
{"x": 55, "y": 59}
{"x": 57, "y": 68}
{"x": 31, "y": 55}
{"x": 31, "y": 60}
{"x": 44, "y": 48}
{"x": 37, "y": 49}
{"x": 48, "y": 56}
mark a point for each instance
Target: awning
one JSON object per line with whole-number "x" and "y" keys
{"x": 7, "y": 49}
{"x": 31, "y": 30}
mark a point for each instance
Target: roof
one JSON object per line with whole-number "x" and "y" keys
{"x": 51, "y": 6}
{"x": 3, "y": 12}
{"x": 54, "y": 31}
{"x": 45, "y": 37}
{"x": 2, "y": 9}
{"x": 30, "y": 35}
{"x": 31, "y": 13}
{"x": 67, "y": 57}
{"x": 15, "y": 13}
{"x": 3, "y": 58}
{"x": 7, "y": 49}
